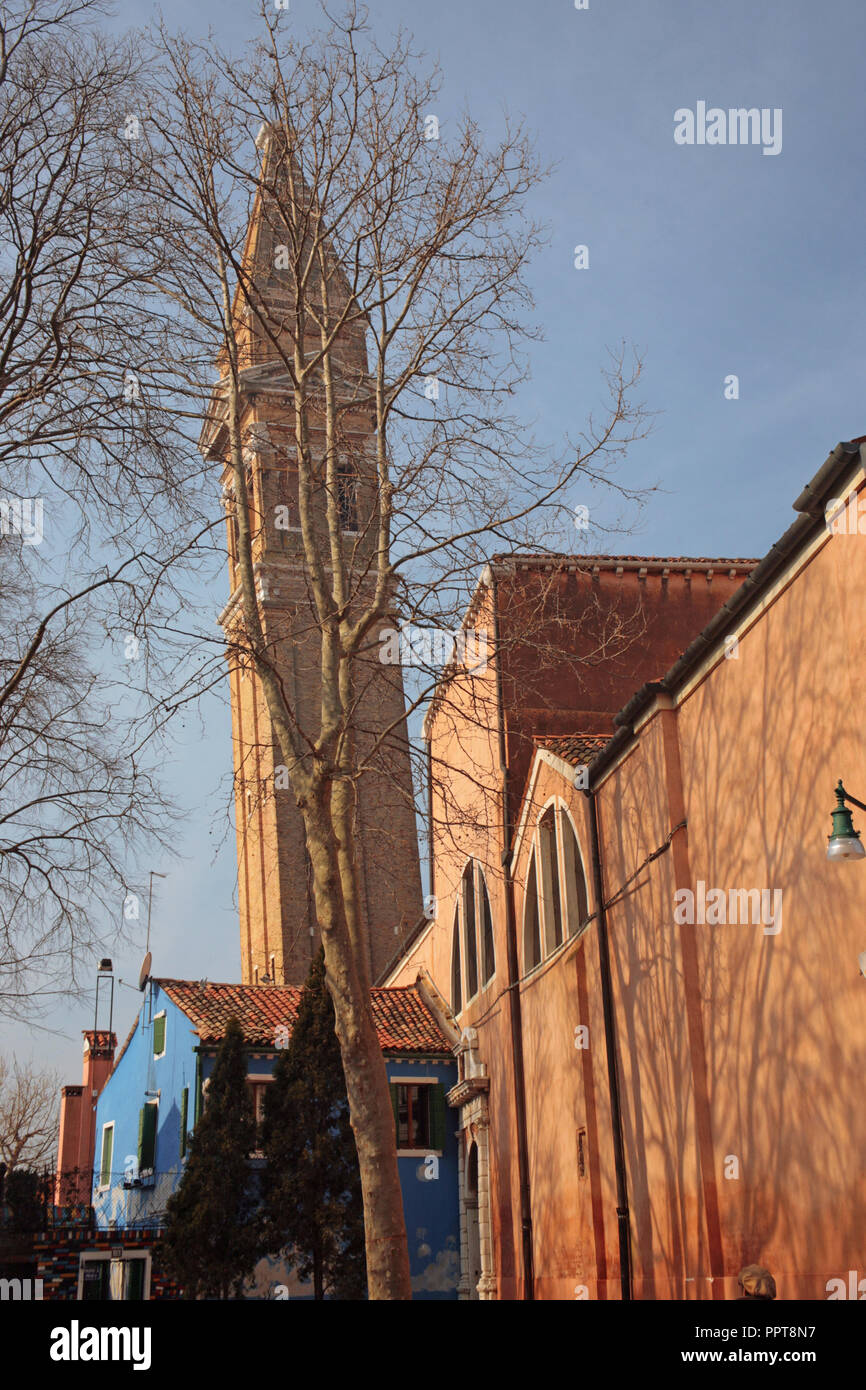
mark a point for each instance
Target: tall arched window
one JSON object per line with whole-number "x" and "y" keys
{"x": 562, "y": 895}
{"x": 476, "y": 925}
{"x": 488, "y": 954}
{"x": 576, "y": 896}
{"x": 456, "y": 977}
{"x": 470, "y": 929}
{"x": 531, "y": 932}
{"x": 550, "y": 885}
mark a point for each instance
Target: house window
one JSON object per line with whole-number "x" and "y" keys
{"x": 419, "y": 1115}
{"x": 159, "y": 1035}
{"x": 106, "y": 1155}
{"x": 257, "y": 1090}
{"x": 147, "y": 1136}
{"x": 456, "y": 981}
{"x": 104, "y": 1278}
{"x": 531, "y": 931}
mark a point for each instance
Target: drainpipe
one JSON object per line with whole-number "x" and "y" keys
{"x": 513, "y": 980}
{"x": 431, "y": 860}
{"x": 622, "y": 1213}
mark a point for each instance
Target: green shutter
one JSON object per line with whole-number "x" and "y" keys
{"x": 197, "y": 1112}
{"x": 147, "y": 1137}
{"x": 395, "y": 1106}
{"x": 105, "y": 1159}
{"x": 184, "y": 1114}
{"x": 134, "y": 1270}
{"x": 438, "y": 1111}
{"x": 159, "y": 1035}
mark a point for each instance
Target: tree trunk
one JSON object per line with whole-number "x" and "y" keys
{"x": 369, "y": 1097}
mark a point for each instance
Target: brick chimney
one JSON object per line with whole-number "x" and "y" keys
{"x": 75, "y": 1148}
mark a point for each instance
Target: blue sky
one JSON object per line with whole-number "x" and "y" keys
{"x": 713, "y": 260}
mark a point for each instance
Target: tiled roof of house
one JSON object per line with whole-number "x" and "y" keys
{"x": 579, "y": 749}
{"x": 403, "y": 1021}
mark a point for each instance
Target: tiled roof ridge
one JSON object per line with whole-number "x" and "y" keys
{"x": 167, "y": 980}
{"x": 544, "y": 738}
{"x": 404, "y": 1022}
{"x": 553, "y": 557}
{"x": 164, "y": 980}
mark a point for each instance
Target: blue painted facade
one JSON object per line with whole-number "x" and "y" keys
{"x": 135, "y": 1196}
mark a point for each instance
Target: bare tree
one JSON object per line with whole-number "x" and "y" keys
{"x": 381, "y": 306}
{"x": 28, "y": 1115}
{"x": 98, "y": 514}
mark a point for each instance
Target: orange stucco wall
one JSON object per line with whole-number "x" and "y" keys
{"x": 741, "y": 1051}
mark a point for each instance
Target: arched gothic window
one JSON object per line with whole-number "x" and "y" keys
{"x": 467, "y": 892}
{"x": 531, "y": 932}
{"x": 576, "y": 896}
{"x": 473, "y": 924}
{"x": 556, "y": 903}
{"x": 456, "y": 976}
{"x": 550, "y": 881}
{"x": 488, "y": 953}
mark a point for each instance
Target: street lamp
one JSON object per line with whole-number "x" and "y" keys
{"x": 844, "y": 843}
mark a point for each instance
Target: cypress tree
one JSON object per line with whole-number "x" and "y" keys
{"x": 210, "y": 1244}
{"x": 311, "y": 1189}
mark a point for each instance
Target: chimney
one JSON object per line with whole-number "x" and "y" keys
{"x": 73, "y": 1180}
{"x": 77, "y": 1139}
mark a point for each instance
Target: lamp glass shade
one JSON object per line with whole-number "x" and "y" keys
{"x": 845, "y": 847}
{"x": 844, "y": 840}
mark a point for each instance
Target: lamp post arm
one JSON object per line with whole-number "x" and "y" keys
{"x": 846, "y": 796}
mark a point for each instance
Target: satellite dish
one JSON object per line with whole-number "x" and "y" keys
{"x": 144, "y": 973}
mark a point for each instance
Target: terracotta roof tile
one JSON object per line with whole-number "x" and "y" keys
{"x": 403, "y": 1021}
{"x": 612, "y": 561}
{"x": 578, "y": 749}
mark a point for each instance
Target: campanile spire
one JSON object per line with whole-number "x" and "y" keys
{"x": 318, "y": 425}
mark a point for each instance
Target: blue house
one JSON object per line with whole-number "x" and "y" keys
{"x": 150, "y": 1104}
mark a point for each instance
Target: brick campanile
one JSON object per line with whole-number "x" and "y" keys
{"x": 279, "y": 933}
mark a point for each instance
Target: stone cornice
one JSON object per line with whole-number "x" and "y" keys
{"x": 467, "y": 1090}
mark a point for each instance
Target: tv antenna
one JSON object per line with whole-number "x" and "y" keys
{"x": 144, "y": 973}
{"x": 153, "y": 875}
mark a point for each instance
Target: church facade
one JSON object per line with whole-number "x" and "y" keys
{"x": 653, "y": 963}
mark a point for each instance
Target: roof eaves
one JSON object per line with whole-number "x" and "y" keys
{"x": 811, "y": 504}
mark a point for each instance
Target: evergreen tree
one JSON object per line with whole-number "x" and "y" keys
{"x": 312, "y": 1184}
{"x": 211, "y": 1239}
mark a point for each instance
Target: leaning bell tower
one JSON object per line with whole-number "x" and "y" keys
{"x": 279, "y": 933}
